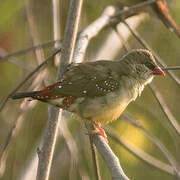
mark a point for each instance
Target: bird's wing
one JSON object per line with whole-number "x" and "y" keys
{"x": 89, "y": 79}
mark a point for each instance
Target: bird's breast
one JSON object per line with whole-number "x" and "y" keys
{"x": 106, "y": 108}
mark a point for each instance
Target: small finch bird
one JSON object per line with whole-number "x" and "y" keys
{"x": 161, "y": 10}
{"x": 98, "y": 92}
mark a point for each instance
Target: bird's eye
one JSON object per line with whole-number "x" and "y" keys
{"x": 149, "y": 65}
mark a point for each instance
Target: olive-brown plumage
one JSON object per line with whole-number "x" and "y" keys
{"x": 100, "y": 91}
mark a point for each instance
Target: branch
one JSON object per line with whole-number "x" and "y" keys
{"x": 91, "y": 31}
{"x": 137, "y": 6}
{"x": 95, "y": 159}
{"x": 110, "y": 158}
{"x": 45, "y": 156}
{"x": 171, "y": 68}
{"x": 138, "y": 152}
{"x": 71, "y": 145}
{"x": 164, "y": 108}
{"x": 156, "y": 142}
{"x": 146, "y": 46}
{"x": 23, "y": 51}
{"x": 157, "y": 95}
{"x": 83, "y": 40}
{"x": 27, "y": 78}
{"x": 15, "y": 61}
{"x": 25, "y": 106}
{"x": 51, "y": 43}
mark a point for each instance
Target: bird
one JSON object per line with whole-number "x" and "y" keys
{"x": 161, "y": 10}
{"x": 99, "y": 91}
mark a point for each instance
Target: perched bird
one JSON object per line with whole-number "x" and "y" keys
{"x": 100, "y": 91}
{"x": 161, "y": 10}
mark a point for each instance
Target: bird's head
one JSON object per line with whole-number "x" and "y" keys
{"x": 143, "y": 64}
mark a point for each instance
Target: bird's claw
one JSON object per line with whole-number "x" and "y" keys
{"x": 100, "y": 131}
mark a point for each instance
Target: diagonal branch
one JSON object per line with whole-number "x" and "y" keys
{"x": 23, "y": 51}
{"x": 95, "y": 159}
{"x": 27, "y": 78}
{"x": 132, "y": 8}
{"x": 158, "y": 97}
{"x": 165, "y": 108}
{"x": 15, "y": 61}
{"x": 138, "y": 152}
{"x": 156, "y": 142}
{"x": 84, "y": 38}
{"x": 171, "y": 68}
{"x": 146, "y": 46}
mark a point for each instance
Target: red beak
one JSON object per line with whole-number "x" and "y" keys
{"x": 158, "y": 71}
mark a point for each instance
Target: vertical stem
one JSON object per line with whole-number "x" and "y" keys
{"x": 46, "y": 154}
{"x": 95, "y": 159}
{"x": 56, "y": 22}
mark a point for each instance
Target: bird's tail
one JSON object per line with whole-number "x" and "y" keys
{"x": 25, "y": 94}
{"x": 163, "y": 13}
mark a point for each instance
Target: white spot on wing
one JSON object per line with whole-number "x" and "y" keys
{"x": 84, "y": 91}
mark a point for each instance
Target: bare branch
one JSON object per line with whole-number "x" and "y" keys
{"x": 132, "y": 8}
{"x": 95, "y": 159}
{"x": 138, "y": 152}
{"x": 157, "y": 95}
{"x": 124, "y": 44}
{"x": 28, "y": 77}
{"x": 110, "y": 158}
{"x": 92, "y": 30}
{"x": 53, "y": 122}
{"x": 15, "y": 61}
{"x": 156, "y": 142}
{"x": 146, "y": 46}
{"x": 23, "y": 51}
{"x": 25, "y": 105}
{"x": 171, "y": 68}
{"x": 164, "y": 108}
{"x": 71, "y": 145}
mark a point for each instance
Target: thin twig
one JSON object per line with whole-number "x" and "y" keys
{"x": 32, "y": 48}
{"x": 51, "y": 43}
{"x": 71, "y": 145}
{"x": 125, "y": 45}
{"x": 45, "y": 158}
{"x": 165, "y": 108}
{"x": 26, "y": 106}
{"x": 146, "y": 46}
{"x": 28, "y": 77}
{"x": 13, "y": 132}
{"x": 110, "y": 158}
{"x": 16, "y": 61}
{"x": 7, "y": 141}
{"x": 95, "y": 159}
{"x": 171, "y": 68}
{"x": 138, "y": 152}
{"x": 137, "y": 6}
{"x": 91, "y": 31}
{"x": 64, "y": 131}
{"x": 156, "y": 142}
{"x": 158, "y": 97}
{"x": 107, "y": 51}
{"x": 84, "y": 38}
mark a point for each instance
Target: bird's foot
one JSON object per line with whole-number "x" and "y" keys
{"x": 99, "y": 130}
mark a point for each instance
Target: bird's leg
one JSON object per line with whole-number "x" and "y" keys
{"x": 99, "y": 130}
